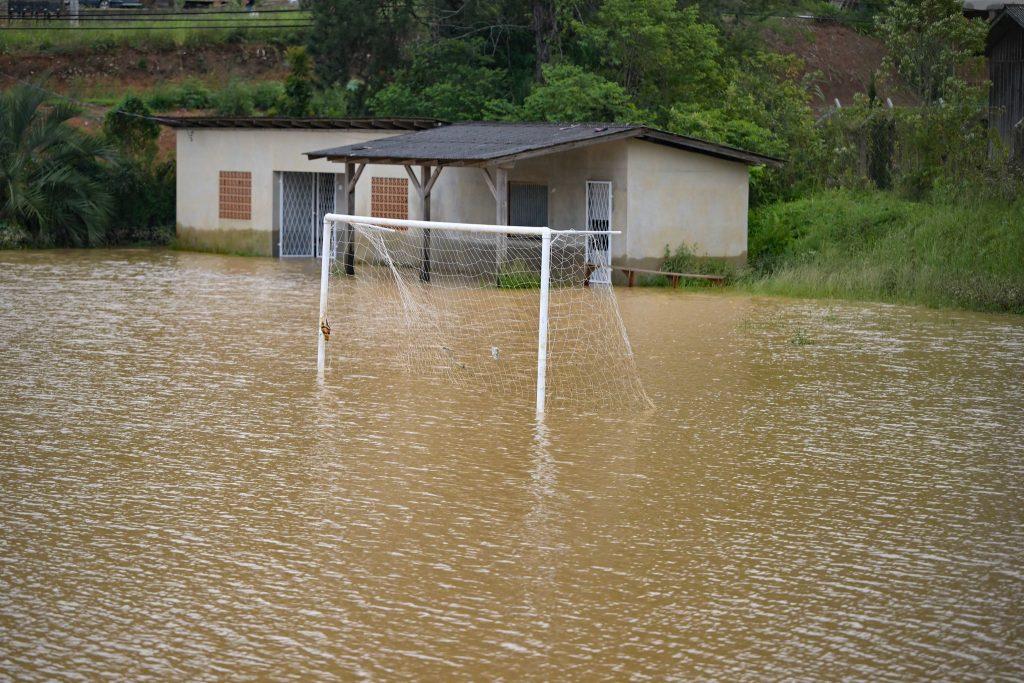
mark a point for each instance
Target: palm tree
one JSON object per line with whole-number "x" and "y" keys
{"x": 52, "y": 187}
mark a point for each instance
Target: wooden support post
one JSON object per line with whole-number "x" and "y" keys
{"x": 350, "y": 208}
{"x": 675, "y": 281}
{"x": 501, "y": 216}
{"x": 630, "y": 278}
{"x": 426, "y": 184}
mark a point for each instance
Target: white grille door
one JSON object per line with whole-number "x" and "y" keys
{"x": 599, "y": 217}
{"x": 297, "y": 194}
{"x": 305, "y": 198}
{"x": 324, "y": 203}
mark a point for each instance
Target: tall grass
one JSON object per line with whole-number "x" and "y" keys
{"x": 874, "y": 245}
{"x": 30, "y": 36}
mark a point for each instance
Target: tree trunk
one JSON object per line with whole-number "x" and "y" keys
{"x": 545, "y": 30}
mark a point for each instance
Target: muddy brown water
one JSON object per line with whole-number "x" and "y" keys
{"x": 824, "y": 491}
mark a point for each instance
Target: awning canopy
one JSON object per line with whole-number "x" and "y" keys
{"x": 498, "y": 143}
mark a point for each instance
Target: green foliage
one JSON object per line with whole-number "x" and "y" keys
{"x": 52, "y": 188}
{"x": 298, "y": 86}
{"x": 927, "y": 40}
{"x": 570, "y": 93}
{"x": 447, "y": 79}
{"x": 330, "y": 102}
{"x": 659, "y": 53}
{"x": 877, "y": 246}
{"x": 358, "y": 39}
{"x": 685, "y": 260}
{"x": 143, "y": 202}
{"x": 26, "y": 39}
{"x": 938, "y": 150}
{"x": 266, "y": 95}
{"x": 234, "y": 100}
{"x": 189, "y": 94}
{"x": 517, "y": 275}
{"x": 128, "y": 127}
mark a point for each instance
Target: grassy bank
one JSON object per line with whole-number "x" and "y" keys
{"x": 876, "y": 246}
{"x": 59, "y": 37}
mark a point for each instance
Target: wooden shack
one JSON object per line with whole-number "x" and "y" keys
{"x": 1005, "y": 52}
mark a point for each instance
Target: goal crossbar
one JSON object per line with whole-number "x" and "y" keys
{"x": 546, "y": 234}
{"x": 460, "y": 227}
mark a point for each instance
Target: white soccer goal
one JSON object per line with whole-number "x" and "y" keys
{"x": 506, "y": 307}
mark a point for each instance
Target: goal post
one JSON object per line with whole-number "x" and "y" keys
{"x": 470, "y": 301}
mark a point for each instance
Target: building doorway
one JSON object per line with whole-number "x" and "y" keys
{"x": 304, "y": 200}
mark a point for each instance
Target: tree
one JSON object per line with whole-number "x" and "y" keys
{"x": 657, "y": 52}
{"x": 298, "y": 85}
{"x": 570, "y": 93}
{"x": 448, "y": 79}
{"x": 358, "y": 39}
{"x": 927, "y": 41}
{"x": 52, "y": 180}
{"x": 130, "y": 127}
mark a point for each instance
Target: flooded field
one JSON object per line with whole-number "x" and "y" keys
{"x": 824, "y": 491}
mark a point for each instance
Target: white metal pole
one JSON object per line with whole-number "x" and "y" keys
{"x": 542, "y": 331}
{"x": 325, "y": 272}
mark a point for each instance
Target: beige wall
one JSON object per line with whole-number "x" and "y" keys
{"x": 202, "y": 153}
{"x": 660, "y": 196}
{"x": 680, "y": 197}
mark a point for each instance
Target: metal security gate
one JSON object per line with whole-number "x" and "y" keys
{"x": 305, "y": 199}
{"x": 527, "y": 205}
{"x": 599, "y": 217}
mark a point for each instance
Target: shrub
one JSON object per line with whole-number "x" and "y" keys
{"x": 517, "y": 275}
{"x": 684, "y": 260}
{"x": 234, "y": 100}
{"x": 51, "y": 184}
{"x": 876, "y": 245}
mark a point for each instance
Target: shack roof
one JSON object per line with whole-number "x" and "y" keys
{"x": 480, "y": 143}
{"x": 1012, "y": 17}
{"x": 281, "y": 122}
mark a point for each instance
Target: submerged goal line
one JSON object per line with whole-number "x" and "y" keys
{"x": 478, "y": 303}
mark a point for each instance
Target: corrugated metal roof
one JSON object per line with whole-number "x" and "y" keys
{"x": 1004, "y": 22}
{"x": 283, "y": 122}
{"x": 482, "y": 143}
{"x": 1016, "y": 12}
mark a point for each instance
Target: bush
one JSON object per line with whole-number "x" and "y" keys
{"x": 144, "y": 198}
{"x": 684, "y": 260}
{"x": 189, "y": 94}
{"x": 875, "y": 245}
{"x": 234, "y": 100}
{"x": 266, "y": 95}
{"x": 517, "y": 275}
{"x": 11, "y": 237}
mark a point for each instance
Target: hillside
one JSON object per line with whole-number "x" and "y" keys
{"x": 97, "y": 71}
{"x": 840, "y": 59}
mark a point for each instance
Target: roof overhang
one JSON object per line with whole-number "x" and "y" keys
{"x": 357, "y": 153}
{"x": 1012, "y": 17}
{"x": 301, "y": 123}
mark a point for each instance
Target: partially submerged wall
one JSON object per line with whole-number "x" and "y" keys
{"x": 677, "y": 198}
{"x": 203, "y": 153}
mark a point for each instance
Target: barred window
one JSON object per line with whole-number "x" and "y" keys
{"x": 389, "y": 197}
{"x": 236, "y": 195}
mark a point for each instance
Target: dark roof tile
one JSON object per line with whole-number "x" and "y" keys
{"x": 479, "y": 143}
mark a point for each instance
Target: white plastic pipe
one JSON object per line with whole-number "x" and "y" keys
{"x": 325, "y": 273}
{"x": 542, "y": 328}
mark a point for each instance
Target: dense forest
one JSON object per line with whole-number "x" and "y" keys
{"x": 862, "y": 207}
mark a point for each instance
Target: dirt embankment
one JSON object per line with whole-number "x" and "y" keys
{"x": 841, "y": 60}
{"x": 137, "y": 68}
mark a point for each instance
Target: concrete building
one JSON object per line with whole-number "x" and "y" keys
{"x": 660, "y": 190}
{"x": 233, "y": 174}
